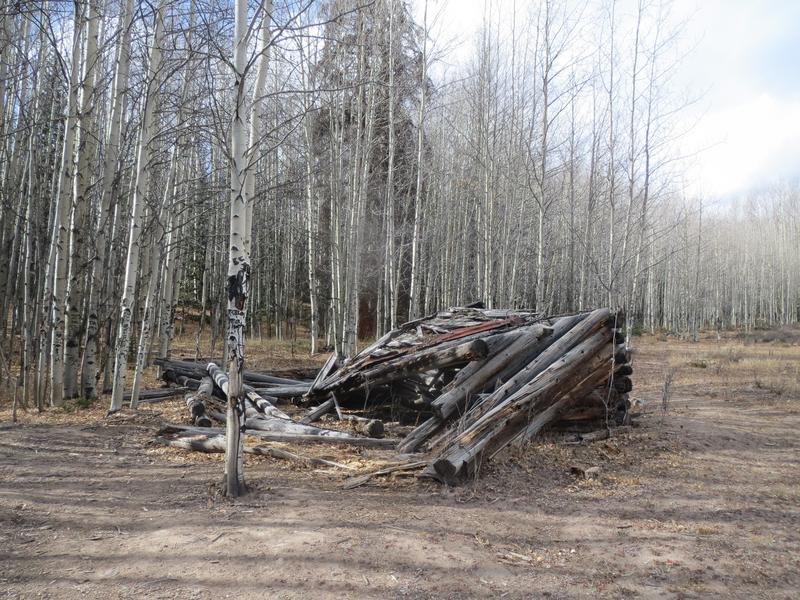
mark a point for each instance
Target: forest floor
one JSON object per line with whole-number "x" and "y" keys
{"x": 699, "y": 500}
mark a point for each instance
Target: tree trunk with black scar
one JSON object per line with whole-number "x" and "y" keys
{"x": 238, "y": 267}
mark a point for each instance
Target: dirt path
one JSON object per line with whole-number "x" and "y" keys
{"x": 704, "y": 502}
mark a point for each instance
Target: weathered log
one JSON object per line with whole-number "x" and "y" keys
{"x": 318, "y": 412}
{"x": 216, "y": 444}
{"x": 418, "y": 436}
{"x": 282, "y": 391}
{"x": 498, "y": 342}
{"x": 429, "y": 359}
{"x": 261, "y": 415}
{"x": 481, "y": 374}
{"x": 257, "y": 421}
{"x": 326, "y": 370}
{"x": 370, "y": 427}
{"x": 196, "y": 403}
{"x": 196, "y": 370}
{"x": 501, "y": 424}
{"x": 455, "y": 353}
{"x": 156, "y": 395}
{"x": 557, "y": 328}
{"x": 289, "y": 438}
{"x": 567, "y": 400}
{"x": 566, "y": 341}
{"x": 260, "y": 378}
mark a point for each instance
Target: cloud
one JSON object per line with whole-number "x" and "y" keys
{"x": 745, "y": 71}
{"x": 745, "y": 144}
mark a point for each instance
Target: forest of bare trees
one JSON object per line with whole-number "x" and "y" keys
{"x": 328, "y": 168}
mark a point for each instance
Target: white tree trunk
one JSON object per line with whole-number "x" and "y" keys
{"x": 87, "y": 148}
{"x": 170, "y": 208}
{"x": 312, "y": 209}
{"x": 147, "y": 316}
{"x": 238, "y": 266}
{"x": 255, "y": 122}
{"x": 89, "y": 370}
{"x": 142, "y": 184}
{"x": 413, "y": 297}
{"x": 57, "y": 260}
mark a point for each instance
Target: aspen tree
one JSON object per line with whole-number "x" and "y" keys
{"x": 238, "y": 264}
{"x": 414, "y": 293}
{"x": 141, "y": 188}
{"x": 86, "y": 150}
{"x": 55, "y": 287}
{"x": 101, "y": 238}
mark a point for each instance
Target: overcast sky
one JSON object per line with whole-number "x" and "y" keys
{"x": 747, "y": 61}
{"x": 743, "y": 66}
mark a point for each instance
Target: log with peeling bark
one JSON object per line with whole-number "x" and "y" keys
{"x": 197, "y": 401}
{"x": 319, "y": 411}
{"x": 216, "y": 444}
{"x": 477, "y": 375}
{"x": 261, "y": 415}
{"x": 189, "y": 372}
{"x": 288, "y": 438}
{"x": 156, "y": 395}
{"x": 399, "y": 368}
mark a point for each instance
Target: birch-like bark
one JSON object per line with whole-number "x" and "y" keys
{"x": 170, "y": 209}
{"x": 57, "y": 260}
{"x": 87, "y": 148}
{"x": 390, "y": 278}
{"x": 142, "y": 184}
{"x": 256, "y": 107}
{"x": 414, "y": 293}
{"x": 238, "y": 266}
{"x": 312, "y": 208}
{"x": 149, "y": 307}
{"x": 97, "y": 304}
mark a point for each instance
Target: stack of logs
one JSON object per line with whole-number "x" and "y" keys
{"x": 473, "y": 380}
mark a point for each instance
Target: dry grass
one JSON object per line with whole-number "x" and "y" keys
{"x": 263, "y": 354}
{"x": 732, "y": 369}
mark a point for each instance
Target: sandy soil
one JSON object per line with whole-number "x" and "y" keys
{"x": 700, "y": 501}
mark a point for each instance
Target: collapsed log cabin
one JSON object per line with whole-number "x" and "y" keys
{"x": 471, "y": 382}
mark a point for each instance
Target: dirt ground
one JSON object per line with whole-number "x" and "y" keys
{"x": 701, "y": 500}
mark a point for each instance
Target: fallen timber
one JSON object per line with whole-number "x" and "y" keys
{"x": 469, "y": 381}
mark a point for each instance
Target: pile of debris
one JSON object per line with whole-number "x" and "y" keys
{"x": 471, "y": 381}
